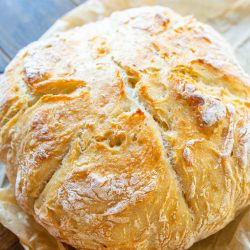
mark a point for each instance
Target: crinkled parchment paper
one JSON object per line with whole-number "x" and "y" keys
{"x": 31, "y": 234}
{"x": 232, "y": 19}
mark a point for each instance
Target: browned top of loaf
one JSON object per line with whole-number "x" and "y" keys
{"x": 129, "y": 133}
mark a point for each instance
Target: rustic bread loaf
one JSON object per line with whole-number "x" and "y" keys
{"x": 129, "y": 133}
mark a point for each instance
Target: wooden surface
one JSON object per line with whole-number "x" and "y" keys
{"x": 8, "y": 240}
{"x": 4, "y": 59}
{"x": 22, "y": 22}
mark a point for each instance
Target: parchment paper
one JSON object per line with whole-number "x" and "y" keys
{"x": 31, "y": 234}
{"x": 232, "y": 19}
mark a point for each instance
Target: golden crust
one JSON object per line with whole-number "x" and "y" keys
{"x": 129, "y": 133}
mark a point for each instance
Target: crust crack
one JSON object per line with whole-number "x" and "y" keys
{"x": 132, "y": 93}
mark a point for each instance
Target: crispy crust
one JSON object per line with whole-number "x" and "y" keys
{"x": 129, "y": 133}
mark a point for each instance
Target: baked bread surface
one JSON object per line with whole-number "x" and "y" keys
{"x": 129, "y": 133}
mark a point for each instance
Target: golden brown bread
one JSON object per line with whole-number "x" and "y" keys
{"x": 129, "y": 133}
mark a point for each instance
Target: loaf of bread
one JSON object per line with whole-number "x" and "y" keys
{"x": 132, "y": 132}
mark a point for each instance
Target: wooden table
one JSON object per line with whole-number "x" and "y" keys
{"x": 22, "y": 22}
{"x": 8, "y": 240}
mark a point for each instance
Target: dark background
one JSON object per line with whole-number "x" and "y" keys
{"x": 24, "y": 21}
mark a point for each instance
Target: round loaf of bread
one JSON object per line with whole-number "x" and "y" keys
{"x": 132, "y": 132}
